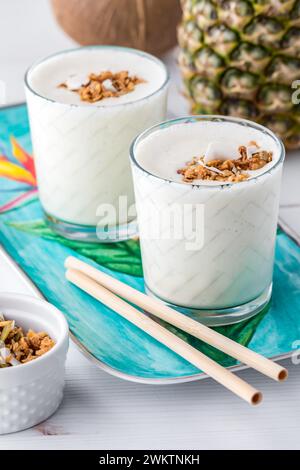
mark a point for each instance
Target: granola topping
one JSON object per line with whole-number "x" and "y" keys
{"x": 251, "y": 158}
{"x": 18, "y": 347}
{"x": 103, "y": 85}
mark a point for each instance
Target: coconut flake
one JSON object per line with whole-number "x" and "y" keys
{"x": 75, "y": 82}
{"x": 108, "y": 84}
{"x": 251, "y": 149}
{"x": 211, "y": 168}
{"x": 5, "y": 353}
{"x": 220, "y": 150}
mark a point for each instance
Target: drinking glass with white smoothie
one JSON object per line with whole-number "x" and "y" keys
{"x": 207, "y": 194}
{"x": 84, "y": 112}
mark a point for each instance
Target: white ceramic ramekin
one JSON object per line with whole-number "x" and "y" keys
{"x": 31, "y": 392}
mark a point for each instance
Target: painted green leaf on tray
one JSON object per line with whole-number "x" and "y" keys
{"x": 123, "y": 257}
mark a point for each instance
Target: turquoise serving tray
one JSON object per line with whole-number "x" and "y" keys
{"x": 113, "y": 343}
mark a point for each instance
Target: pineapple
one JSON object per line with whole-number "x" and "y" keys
{"x": 240, "y": 58}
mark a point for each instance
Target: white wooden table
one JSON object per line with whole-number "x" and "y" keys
{"x": 103, "y": 412}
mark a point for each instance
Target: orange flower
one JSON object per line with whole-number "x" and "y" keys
{"x": 23, "y": 173}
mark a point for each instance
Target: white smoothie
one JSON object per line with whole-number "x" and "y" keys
{"x": 81, "y": 148}
{"x": 178, "y": 144}
{"x": 76, "y": 66}
{"x": 233, "y": 263}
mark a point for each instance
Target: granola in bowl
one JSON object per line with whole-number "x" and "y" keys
{"x": 19, "y": 347}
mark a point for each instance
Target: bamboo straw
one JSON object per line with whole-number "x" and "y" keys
{"x": 161, "y": 334}
{"x": 194, "y": 328}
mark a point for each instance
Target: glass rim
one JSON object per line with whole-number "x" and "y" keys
{"x": 190, "y": 119}
{"x": 131, "y": 50}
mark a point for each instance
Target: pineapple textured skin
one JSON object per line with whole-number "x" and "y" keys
{"x": 242, "y": 58}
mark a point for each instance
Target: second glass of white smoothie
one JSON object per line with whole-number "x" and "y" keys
{"x": 208, "y": 245}
{"x": 81, "y": 147}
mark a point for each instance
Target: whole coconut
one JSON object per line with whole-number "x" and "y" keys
{"x": 149, "y": 25}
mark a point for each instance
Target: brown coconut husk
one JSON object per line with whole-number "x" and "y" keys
{"x": 149, "y": 25}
